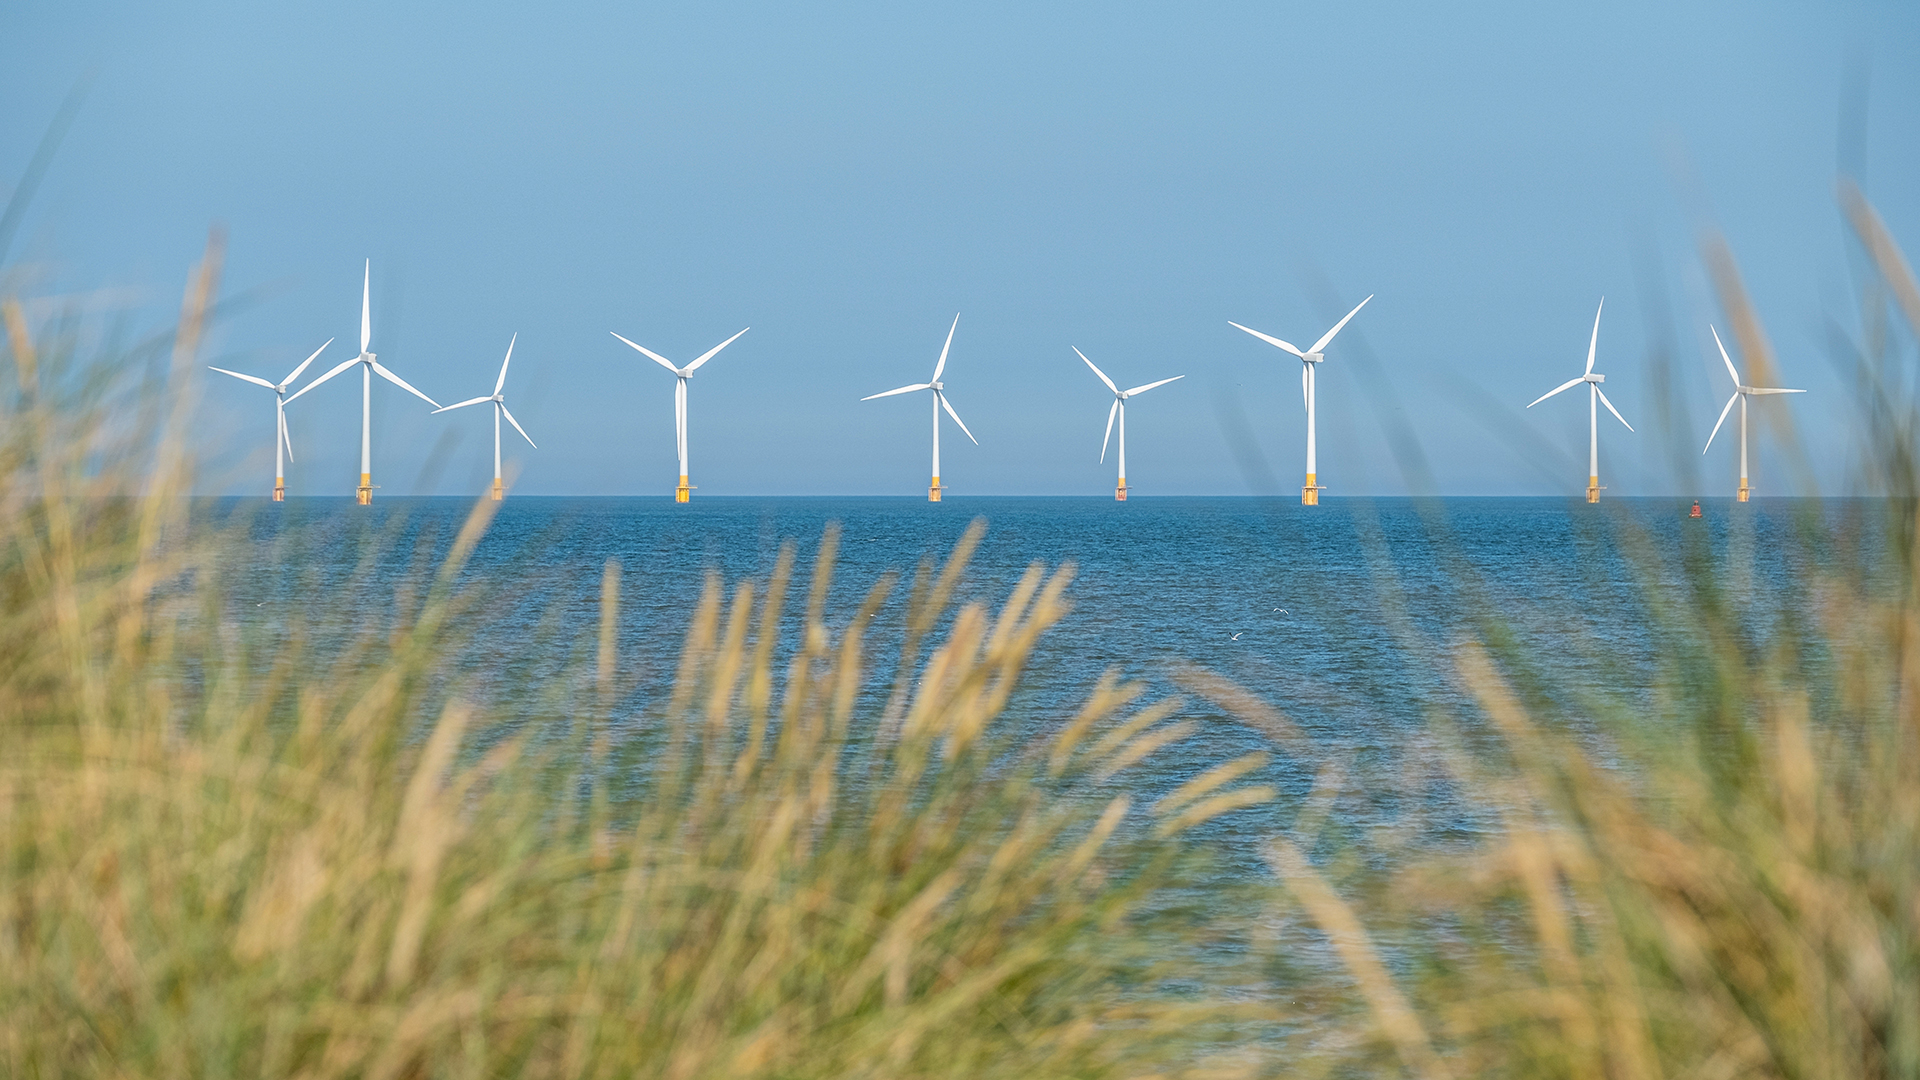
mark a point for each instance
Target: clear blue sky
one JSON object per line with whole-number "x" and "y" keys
{"x": 845, "y": 178}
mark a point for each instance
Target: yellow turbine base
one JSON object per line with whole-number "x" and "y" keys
{"x": 1593, "y": 489}
{"x": 279, "y": 489}
{"x": 1744, "y": 491}
{"x": 933, "y": 490}
{"x": 1120, "y": 493}
{"x": 497, "y": 493}
{"x": 683, "y": 493}
{"x": 1310, "y": 493}
{"x": 364, "y": 493}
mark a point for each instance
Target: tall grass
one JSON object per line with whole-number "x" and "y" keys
{"x": 218, "y": 859}
{"x": 817, "y": 857}
{"x": 1717, "y": 875}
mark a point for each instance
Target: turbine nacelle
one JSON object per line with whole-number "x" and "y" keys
{"x": 1594, "y": 378}
{"x": 1313, "y": 357}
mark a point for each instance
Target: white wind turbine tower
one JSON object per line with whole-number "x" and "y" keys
{"x": 1309, "y": 494}
{"x": 1741, "y": 392}
{"x": 1594, "y": 394}
{"x": 1119, "y": 409}
{"x": 282, "y": 443}
{"x": 939, "y": 402}
{"x": 369, "y": 368}
{"x": 499, "y": 409}
{"x": 683, "y": 493}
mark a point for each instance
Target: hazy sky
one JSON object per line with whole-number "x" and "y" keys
{"x": 845, "y": 178}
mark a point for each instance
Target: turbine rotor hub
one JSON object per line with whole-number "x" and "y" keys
{"x": 939, "y": 386}
{"x": 1313, "y": 357}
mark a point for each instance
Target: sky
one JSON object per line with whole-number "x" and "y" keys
{"x": 845, "y": 178}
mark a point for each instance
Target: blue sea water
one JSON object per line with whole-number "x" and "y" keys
{"x": 1346, "y": 616}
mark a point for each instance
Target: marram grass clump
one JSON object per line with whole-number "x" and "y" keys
{"x": 218, "y": 859}
{"x": 1717, "y": 875}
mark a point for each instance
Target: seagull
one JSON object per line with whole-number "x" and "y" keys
{"x": 1236, "y": 637}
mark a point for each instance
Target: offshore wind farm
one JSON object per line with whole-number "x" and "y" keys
{"x": 1310, "y": 358}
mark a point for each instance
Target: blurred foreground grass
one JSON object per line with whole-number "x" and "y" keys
{"x": 222, "y": 860}
{"x": 216, "y": 862}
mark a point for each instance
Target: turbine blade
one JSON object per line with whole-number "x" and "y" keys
{"x": 1609, "y": 405}
{"x": 255, "y": 379}
{"x": 504, "y": 411}
{"x": 303, "y": 364}
{"x": 1096, "y": 370}
{"x": 709, "y": 354}
{"x": 902, "y": 390}
{"x": 344, "y": 365}
{"x": 1568, "y": 385}
{"x": 679, "y": 415}
{"x": 1770, "y": 390}
{"x": 462, "y": 405}
{"x": 1151, "y": 385}
{"x": 1268, "y": 338}
{"x": 1322, "y": 343}
{"x": 366, "y": 307}
{"x": 1103, "y": 439}
{"x": 947, "y": 405}
{"x": 502, "y": 380}
{"x": 1722, "y": 420}
{"x": 1304, "y": 368}
{"x": 1595, "y": 343}
{"x": 942, "y": 365}
{"x": 1723, "y": 354}
{"x": 396, "y": 380}
{"x": 284, "y": 437}
{"x": 661, "y": 360}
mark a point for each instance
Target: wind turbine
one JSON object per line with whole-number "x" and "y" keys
{"x": 369, "y": 368}
{"x": 1119, "y": 409}
{"x": 1594, "y": 394}
{"x": 939, "y": 402}
{"x": 282, "y": 443}
{"x": 1309, "y": 494}
{"x": 683, "y": 493}
{"x": 1741, "y": 392}
{"x": 499, "y": 409}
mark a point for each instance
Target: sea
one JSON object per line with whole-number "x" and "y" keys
{"x": 1348, "y": 618}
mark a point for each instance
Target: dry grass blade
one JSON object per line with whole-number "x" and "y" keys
{"x": 1342, "y": 926}
{"x": 1887, "y": 256}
